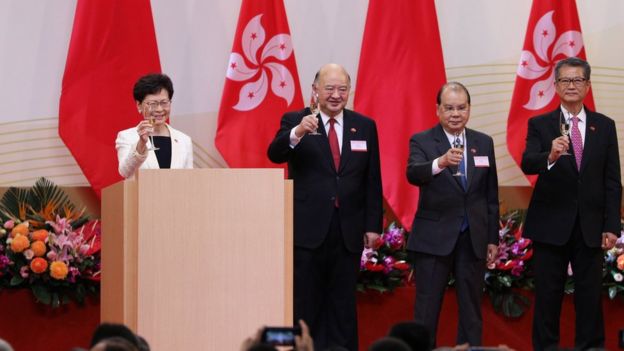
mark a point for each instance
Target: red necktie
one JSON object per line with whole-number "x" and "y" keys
{"x": 333, "y": 143}
{"x": 577, "y": 142}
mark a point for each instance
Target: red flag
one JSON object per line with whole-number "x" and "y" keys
{"x": 553, "y": 33}
{"x": 401, "y": 69}
{"x": 261, "y": 84}
{"x": 113, "y": 43}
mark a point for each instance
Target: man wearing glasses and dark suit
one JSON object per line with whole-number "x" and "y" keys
{"x": 574, "y": 212}
{"x": 456, "y": 225}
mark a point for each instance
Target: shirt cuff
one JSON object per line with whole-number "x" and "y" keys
{"x": 435, "y": 169}
{"x": 294, "y": 140}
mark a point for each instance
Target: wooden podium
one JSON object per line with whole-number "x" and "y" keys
{"x": 198, "y": 259}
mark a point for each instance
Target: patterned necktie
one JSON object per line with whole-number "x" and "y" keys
{"x": 577, "y": 142}
{"x": 462, "y": 178}
{"x": 464, "y": 183}
{"x": 333, "y": 143}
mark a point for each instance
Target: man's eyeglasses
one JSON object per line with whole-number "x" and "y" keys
{"x": 448, "y": 109}
{"x": 342, "y": 89}
{"x": 578, "y": 81}
{"x": 154, "y": 104}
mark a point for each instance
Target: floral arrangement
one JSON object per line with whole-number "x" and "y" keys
{"x": 511, "y": 268}
{"x": 613, "y": 269}
{"x": 47, "y": 245}
{"x": 385, "y": 266}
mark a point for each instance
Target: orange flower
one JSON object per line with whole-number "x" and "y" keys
{"x": 620, "y": 262}
{"x": 38, "y": 247}
{"x": 20, "y": 243}
{"x": 38, "y": 265}
{"x": 58, "y": 270}
{"x": 40, "y": 234}
{"x": 21, "y": 228}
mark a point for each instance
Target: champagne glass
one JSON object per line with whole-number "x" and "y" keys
{"x": 152, "y": 120}
{"x": 314, "y": 109}
{"x": 564, "y": 128}
{"x": 458, "y": 143}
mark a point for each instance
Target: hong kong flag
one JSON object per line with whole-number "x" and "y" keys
{"x": 401, "y": 69}
{"x": 553, "y": 33}
{"x": 261, "y": 84}
{"x": 112, "y": 44}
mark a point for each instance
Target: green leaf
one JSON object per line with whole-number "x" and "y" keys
{"x": 11, "y": 200}
{"x": 44, "y": 192}
{"x": 16, "y": 280}
{"x": 379, "y": 288}
{"x": 42, "y": 294}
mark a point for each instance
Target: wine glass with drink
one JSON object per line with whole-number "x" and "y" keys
{"x": 564, "y": 128}
{"x": 314, "y": 110}
{"x": 149, "y": 115}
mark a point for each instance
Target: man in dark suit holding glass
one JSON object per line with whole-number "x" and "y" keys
{"x": 333, "y": 158}
{"x": 456, "y": 225}
{"x": 574, "y": 212}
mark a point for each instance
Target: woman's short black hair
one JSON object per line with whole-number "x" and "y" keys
{"x": 152, "y": 83}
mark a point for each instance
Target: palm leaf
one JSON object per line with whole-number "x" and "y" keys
{"x": 41, "y": 203}
{"x": 12, "y": 201}
{"x": 47, "y": 197}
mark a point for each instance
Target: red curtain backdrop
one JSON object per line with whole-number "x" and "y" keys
{"x": 112, "y": 44}
{"x": 401, "y": 69}
{"x": 553, "y": 33}
{"x": 261, "y": 84}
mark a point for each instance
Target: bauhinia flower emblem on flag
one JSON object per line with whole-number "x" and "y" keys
{"x": 569, "y": 43}
{"x": 279, "y": 48}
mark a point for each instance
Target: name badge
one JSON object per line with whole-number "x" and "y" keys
{"x": 358, "y": 145}
{"x": 481, "y": 161}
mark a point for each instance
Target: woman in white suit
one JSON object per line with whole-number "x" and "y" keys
{"x": 171, "y": 149}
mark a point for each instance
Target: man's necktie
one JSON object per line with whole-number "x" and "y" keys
{"x": 333, "y": 143}
{"x": 577, "y": 142}
{"x": 464, "y": 183}
{"x": 462, "y": 178}
{"x": 335, "y": 149}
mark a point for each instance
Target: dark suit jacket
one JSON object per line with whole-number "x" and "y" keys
{"x": 357, "y": 182}
{"x": 562, "y": 192}
{"x": 442, "y": 201}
